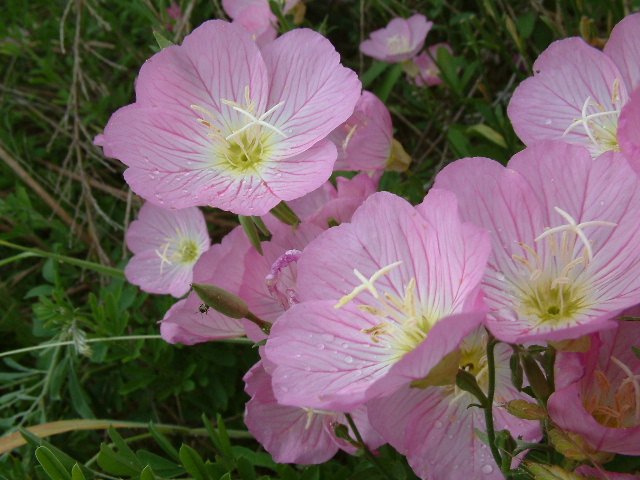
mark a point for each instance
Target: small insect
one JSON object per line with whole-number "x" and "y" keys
{"x": 203, "y": 308}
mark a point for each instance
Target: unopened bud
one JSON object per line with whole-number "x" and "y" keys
{"x": 550, "y": 472}
{"x": 505, "y": 442}
{"x": 536, "y": 377}
{"x": 575, "y": 447}
{"x": 467, "y": 381}
{"x": 526, "y": 410}
{"x": 221, "y": 300}
{"x": 340, "y": 430}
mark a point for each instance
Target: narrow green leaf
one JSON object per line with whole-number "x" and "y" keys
{"x": 283, "y": 212}
{"x": 384, "y": 89}
{"x": 261, "y": 226}
{"x": 636, "y": 350}
{"x": 116, "y": 463}
{"x": 245, "y": 469}
{"x": 65, "y": 459}
{"x": 225, "y": 444}
{"x": 489, "y": 133}
{"x": 163, "y": 442}
{"x": 250, "y": 231}
{"x": 123, "y": 448}
{"x": 163, "y": 42}
{"x": 76, "y": 473}
{"x": 51, "y": 464}
{"x": 147, "y": 474}
{"x": 374, "y": 72}
{"x": 192, "y": 463}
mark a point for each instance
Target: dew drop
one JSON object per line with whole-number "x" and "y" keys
{"x": 320, "y": 346}
{"x": 284, "y": 389}
{"x": 344, "y": 345}
{"x": 357, "y": 373}
{"x": 156, "y": 171}
{"x": 152, "y": 177}
{"x": 297, "y": 355}
{"x": 348, "y": 359}
{"x": 438, "y": 424}
{"x": 601, "y": 203}
{"x": 547, "y": 121}
{"x": 499, "y": 229}
{"x": 487, "y": 469}
{"x": 552, "y": 179}
{"x": 307, "y": 369}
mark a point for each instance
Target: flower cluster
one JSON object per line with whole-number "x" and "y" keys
{"x": 432, "y": 328}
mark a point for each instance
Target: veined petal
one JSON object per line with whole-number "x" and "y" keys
{"x": 318, "y": 92}
{"x": 623, "y": 48}
{"x": 629, "y": 130}
{"x": 569, "y": 76}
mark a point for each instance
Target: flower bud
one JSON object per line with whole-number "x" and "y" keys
{"x": 221, "y": 300}
{"x": 526, "y": 410}
{"x": 467, "y": 381}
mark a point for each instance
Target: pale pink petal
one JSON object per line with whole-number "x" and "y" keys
{"x": 185, "y": 323}
{"x": 321, "y": 359}
{"x": 629, "y": 130}
{"x": 364, "y": 140}
{"x": 144, "y": 270}
{"x": 292, "y": 177}
{"x": 623, "y": 48}
{"x": 289, "y": 434}
{"x": 216, "y": 61}
{"x": 429, "y": 74}
{"x": 325, "y": 92}
{"x": 567, "y": 75}
{"x": 400, "y": 40}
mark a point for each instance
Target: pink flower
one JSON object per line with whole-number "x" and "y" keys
{"x": 598, "y": 392}
{"x": 566, "y": 238}
{"x": 428, "y": 73}
{"x": 592, "y": 473}
{"x": 166, "y": 245}
{"x": 364, "y": 140}
{"x": 382, "y": 300}
{"x": 175, "y": 12}
{"x": 218, "y": 122}
{"x": 256, "y": 16}
{"x": 222, "y": 265}
{"x": 294, "y": 434}
{"x": 398, "y": 41}
{"x": 435, "y": 427}
{"x": 578, "y": 92}
{"x": 329, "y": 206}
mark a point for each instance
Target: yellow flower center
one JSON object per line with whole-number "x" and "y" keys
{"x": 244, "y": 146}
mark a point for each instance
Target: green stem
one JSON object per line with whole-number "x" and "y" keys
{"x": 368, "y": 453}
{"x": 96, "y": 267}
{"x": 242, "y": 340}
{"x": 488, "y": 410}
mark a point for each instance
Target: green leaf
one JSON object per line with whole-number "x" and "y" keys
{"x": 163, "y": 442}
{"x": 245, "y": 469}
{"x": 51, "y": 464}
{"x": 250, "y": 231}
{"x": 163, "y": 42}
{"x": 123, "y": 448}
{"x": 116, "y": 463}
{"x": 225, "y": 444}
{"x": 76, "y": 473}
{"x": 374, "y": 72}
{"x": 147, "y": 474}
{"x": 192, "y": 463}
{"x": 161, "y": 466}
{"x": 78, "y": 396}
{"x": 489, "y": 133}
{"x": 384, "y": 89}
{"x": 260, "y": 459}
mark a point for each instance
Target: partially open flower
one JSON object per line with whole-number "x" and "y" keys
{"x": 398, "y": 41}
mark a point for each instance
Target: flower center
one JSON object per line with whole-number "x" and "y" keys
{"x": 404, "y": 324}
{"x": 398, "y": 44}
{"x": 180, "y": 250}
{"x": 619, "y": 408}
{"x": 600, "y": 124}
{"x": 473, "y": 359}
{"x": 247, "y": 146}
{"x": 555, "y": 290}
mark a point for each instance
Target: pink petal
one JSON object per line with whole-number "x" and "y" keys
{"x": 623, "y": 48}
{"x": 629, "y": 130}
{"x": 567, "y": 74}
{"x": 318, "y": 92}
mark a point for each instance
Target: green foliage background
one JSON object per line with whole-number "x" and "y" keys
{"x": 65, "y": 67}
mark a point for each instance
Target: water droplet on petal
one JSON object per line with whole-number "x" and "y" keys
{"x": 547, "y": 121}
{"x": 438, "y": 424}
{"x": 307, "y": 369}
{"x": 320, "y": 346}
{"x": 348, "y": 359}
{"x": 487, "y": 469}
{"x": 344, "y": 345}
